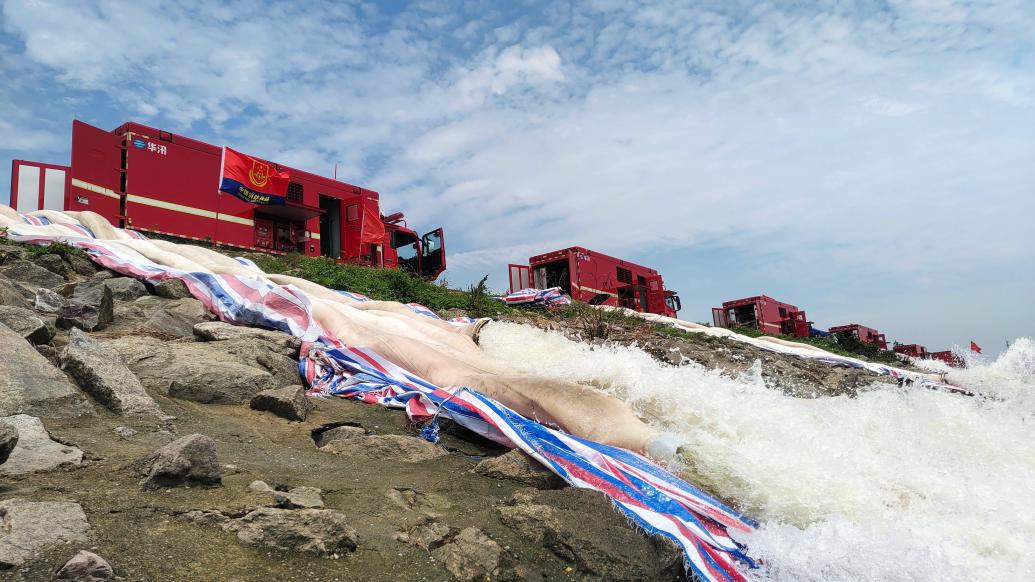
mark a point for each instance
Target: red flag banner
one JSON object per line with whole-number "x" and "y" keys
{"x": 252, "y": 180}
{"x": 974, "y": 347}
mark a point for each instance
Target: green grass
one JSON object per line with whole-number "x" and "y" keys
{"x": 843, "y": 344}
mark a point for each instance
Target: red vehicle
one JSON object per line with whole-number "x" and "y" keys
{"x": 155, "y": 181}
{"x": 763, "y": 313}
{"x": 912, "y": 350}
{"x": 867, "y": 335}
{"x": 597, "y": 279}
{"x": 949, "y": 357}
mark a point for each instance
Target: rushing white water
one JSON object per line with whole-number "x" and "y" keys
{"x": 895, "y": 484}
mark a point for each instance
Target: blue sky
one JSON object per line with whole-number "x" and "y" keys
{"x": 870, "y": 162}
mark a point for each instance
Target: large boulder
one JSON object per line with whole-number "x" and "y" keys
{"x": 8, "y": 440}
{"x": 32, "y": 274}
{"x": 172, "y": 289}
{"x": 29, "y": 527}
{"x": 185, "y": 461}
{"x": 11, "y": 294}
{"x": 471, "y": 555}
{"x": 581, "y": 527}
{"x": 85, "y": 567}
{"x": 32, "y": 385}
{"x": 224, "y": 372}
{"x": 290, "y": 403}
{"x": 90, "y": 308}
{"x": 219, "y": 331}
{"x": 53, "y": 263}
{"x": 47, "y": 301}
{"x": 405, "y": 449}
{"x": 324, "y": 532}
{"x": 35, "y": 450}
{"x": 101, "y": 373}
{"x": 125, "y": 288}
{"x": 25, "y": 322}
{"x": 160, "y": 316}
{"x": 519, "y": 466}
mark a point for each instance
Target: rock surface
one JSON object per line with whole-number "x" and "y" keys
{"x": 53, "y": 263}
{"x": 90, "y": 308}
{"x": 8, "y": 440}
{"x": 25, "y": 322}
{"x": 324, "y": 532}
{"x": 85, "y": 567}
{"x": 470, "y": 555}
{"x": 290, "y": 497}
{"x": 520, "y": 467}
{"x": 10, "y": 294}
{"x": 172, "y": 289}
{"x": 101, "y": 373}
{"x": 32, "y": 274}
{"x": 30, "y": 384}
{"x": 338, "y": 433}
{"x": 185, "y": 461}
{"x": 47, "y": 301}
{"x": 28, "y": 527}
{"x": 405, "y": 449}
{"x": 35, "y": 450}
{"x": 125, "y": 288}
{"x": 219, "y": 331}
{"x": 290, "y": 403}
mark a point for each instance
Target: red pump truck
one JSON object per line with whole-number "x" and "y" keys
{"x": 763, "y": 313}
{"x": 867, "y": 335}
{"x": 912, "y": 350}
{"x": 155, "y": 181}
{"x": 597, "y": 279}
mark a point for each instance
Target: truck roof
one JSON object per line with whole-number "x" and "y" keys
{"x": 553, "y": 255}
{"x": 755, "y": 299}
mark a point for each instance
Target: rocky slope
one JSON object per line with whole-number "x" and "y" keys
{"x": 141, "y": 440}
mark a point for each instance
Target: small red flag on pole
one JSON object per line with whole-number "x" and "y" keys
{"x": 974, "y": 347}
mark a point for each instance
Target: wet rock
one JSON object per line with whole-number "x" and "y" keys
{"x": 90, "y": 307}
{"x": 85, "y": 567}
{"x": 99, "y": 371}
{"x": 519, "y": 466}
{"x": 172, "y": 289}
{"x": 290, "y": 497}
{"x": 402, "y": 448}
{"x": 8, "y": 440}
{"x": 25, "y": 323}
{"x": 48, "y": 301}
{"x": 290, "y": 403}
{"x": 338, "y": 433}
{"x": 427, "y": 535}
{"x": 324, "y": 532}
{"x": 32, "y": 385}
{"x": 582, "y": 528}
{"x": 10, "y": 294}
{"x": 220, "y": 331}
{"x": 53, "y": 263}
{"x": 185, "y": 461}
{"x": 31, "y": 273}
{"x": 125, "y": 288}
{"x": 470, "y": 555}
{"x": 29, "y": 527}
{"x": 35, "y": 451}
{"x": 227, "y": 372}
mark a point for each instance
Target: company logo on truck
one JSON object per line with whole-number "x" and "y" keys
{"x": 139, "y": 143}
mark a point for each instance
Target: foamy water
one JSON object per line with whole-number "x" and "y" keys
{"x": 896, "y": 484}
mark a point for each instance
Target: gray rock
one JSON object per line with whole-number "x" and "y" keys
{"x": 188, "y": 460}
{"x": 85, "y": 567}
{"x": 165, "y": 317}
{"x": 470, "y": 555}
{"x": 426, "y": 535}
{"x": 104, "y": 275}
{"x": 29, "y": 527}
{"x": 430, "y": 504}
{"x": 225, "y": 372}
{"x": 8, "y": 440}
{"x": 82, "y": 265}
{"x": 219, "y": 331}
{"x": 406, "y": 449}
{"x": 101, "y": 373}
{"x": 11, "y": 253}
{"x": 124, "y": 432}
{"x": 324, "y": 532}
{"x": 32, "y": 385}
{"x": 290, "y": 403}
{"x": 339, "y": 433}
{"x": 35, "y": 450}
{"x": 519, "y": 466}
{"x": 53, "y": 263}
{"x": 125, "y": 288}
{"x": 48, "y": 301}
{"x": 290, "y": 498}
{"x": 581, "y": 527}
{"x": 25, "y": 322}
{"x": 32, "y": 274}
{"x": 172, "y": 289}
{"x": 91, "y": 307}
{"x": 10, "y": 294}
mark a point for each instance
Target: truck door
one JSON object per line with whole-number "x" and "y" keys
{"x": 432, "y": 254}
{"x": 98, "y": 172}
{"x": 656, "y": 295}
{"x": 520, "y": 277}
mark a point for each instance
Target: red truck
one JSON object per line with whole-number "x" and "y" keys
{"x": 597, "y": 279}
{"x": 912, "y": 350}
{"x": 867, "y": 335}
{"x": 155, "y": 181}
{"x": 763, "y": 313}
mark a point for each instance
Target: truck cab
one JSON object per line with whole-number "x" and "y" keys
{"x": 424, "y": 256}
